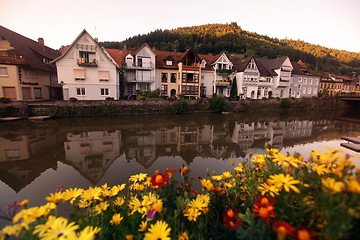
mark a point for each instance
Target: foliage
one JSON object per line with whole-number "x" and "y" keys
{"x": 181, "y": 106}
{"x": 218, "y": 104}
{"x": 149, "y": 94}
{"x": 5, "y": 100}
{"x": 270, "y": 196}
{"x": 73, "y": 99}
{"x": 234, "y": 89}
{"x": 216, "y": 38}
{"x": 285, "y": 103}
{"x": 6, "y": 111}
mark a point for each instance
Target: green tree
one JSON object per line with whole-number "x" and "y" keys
{"x": 234, "y": 89}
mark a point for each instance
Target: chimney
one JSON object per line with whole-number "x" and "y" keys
{"x": 96, "y": 40}
{"x": 125, "y": 47}
{"x": 41, "y": 43}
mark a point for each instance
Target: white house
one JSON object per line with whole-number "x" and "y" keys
{"x": 281, "y": 79}
{"x": 140, "y": 70}
{"x": 86, "y": 71}
{"x": 305, "y": 82}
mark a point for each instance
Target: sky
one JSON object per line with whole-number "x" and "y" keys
{"x": 329, "y": 23}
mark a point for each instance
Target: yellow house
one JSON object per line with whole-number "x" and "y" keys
{"x": 25, "y": 69}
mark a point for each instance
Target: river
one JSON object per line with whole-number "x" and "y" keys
{"x": 38, "y": 157}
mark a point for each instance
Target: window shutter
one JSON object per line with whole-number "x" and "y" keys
{"x": 104, "y": 75}
{"x": 79, "y": 74}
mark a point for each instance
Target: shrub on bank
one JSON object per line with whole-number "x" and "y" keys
{"x": 271, "y": 196}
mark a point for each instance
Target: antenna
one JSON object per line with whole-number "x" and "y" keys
{"x": 96, "y": 36}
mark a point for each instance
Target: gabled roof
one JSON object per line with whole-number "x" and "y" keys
{"x": 299, "y": 68}
{"x": 31, "y": 51}
{"x": 65, "y": 49}
{"x": 268, "y": 66}
{"x": 210, "y": 60}
{"x": 161, "y": 56}
{"x": 241, "y": 63}
{"x": 142, "y": 46}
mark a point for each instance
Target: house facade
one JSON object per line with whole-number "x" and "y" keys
{"x": 25, "y": 69}
{"x": 304, "y": 82}
{"x": 86, "y": 71}
{"x": 140, "y": 70}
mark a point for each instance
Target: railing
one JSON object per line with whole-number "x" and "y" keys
{"x": 249, "y": 82}
{"x": 139, "y": 66}
{"x": 140, "y": 79}
{"x": 87, "y": 63}
{"x": 222, "y": 83}
{"x": 196, "y": 67}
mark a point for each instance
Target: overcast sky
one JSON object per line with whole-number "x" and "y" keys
{"x": 330, "y": 23}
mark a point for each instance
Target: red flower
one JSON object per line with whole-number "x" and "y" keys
{"x": 283, "y": 229}
{"x": 230, "y": 220}
{"x": 159, "y": 179}
{"x": 184, "y": 171}
{"x": 264, "y": 208}
{"x": 170, "y": 171}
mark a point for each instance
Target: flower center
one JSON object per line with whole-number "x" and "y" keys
{"x": 159, "y": 179}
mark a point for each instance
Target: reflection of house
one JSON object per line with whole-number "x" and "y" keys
{"x": 140, "y": 146}
{"x": 243, "y": 135}
{"x": 22, "y": 157}
{"x": 92, "y": 153}
{"x": 298, "y": 129}
{"x": 25, "y": 69}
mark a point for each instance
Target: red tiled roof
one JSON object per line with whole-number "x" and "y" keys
{"x": 30, "y": 50}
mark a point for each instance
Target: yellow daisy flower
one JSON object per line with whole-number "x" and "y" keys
{"x": 158, "y": 231}
{"x": 116, "y": 219}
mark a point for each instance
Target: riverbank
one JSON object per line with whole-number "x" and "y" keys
{"x": 60, "y": 109}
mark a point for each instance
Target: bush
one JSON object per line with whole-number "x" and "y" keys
{"x": 181, "y": 106}
{"x": 285, "y": 103}
{"x": 5, "y": 100}
{"x": 270, "y": 196}
{"x": 218, "y": 104}
{"x": 73, "y": 99}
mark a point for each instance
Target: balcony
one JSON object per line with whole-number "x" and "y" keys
{"x": 224, "y": 83}
{"x": 224, "y": 71}
{"x": 143, "y": 66}
{"x": 84, "y": 62}
{"x": 250, "y": 82}
{"x": 140, "y": 79}
{"x": 192, "y": 67}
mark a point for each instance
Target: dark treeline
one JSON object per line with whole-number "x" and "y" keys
{"x": 230, "y": 38}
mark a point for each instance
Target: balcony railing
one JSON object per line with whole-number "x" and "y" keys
{"x": 140, "y": 79}
{"x": 87, "y": 63}
{"x": 139, "y": 66}
{"x": 222, "y": 83}
{"x": 250, "y": 82}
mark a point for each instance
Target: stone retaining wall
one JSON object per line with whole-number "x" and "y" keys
{"x": 157, "y": 106}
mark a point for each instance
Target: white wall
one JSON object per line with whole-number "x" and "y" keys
{"x": 92, "y": 84}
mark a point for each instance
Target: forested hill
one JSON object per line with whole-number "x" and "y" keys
{"x": 215, "y": 38}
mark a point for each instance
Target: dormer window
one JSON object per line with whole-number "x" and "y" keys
{"x": 203, "y": 63}
{"x": 168, "y": 63}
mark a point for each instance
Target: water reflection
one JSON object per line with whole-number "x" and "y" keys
{"x": 91, "y": 146}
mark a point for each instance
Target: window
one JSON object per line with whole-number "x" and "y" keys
{"x": 164, "y": 77}
{"x": 173, "y": 77}
{"x": 164, "y": 90}
{"x": 168, "y": 63}
{"x": 103, "y": 75}
{"x": 3, "y": 72}
{"x": 80, "y": 91}
{"x": 315, "y": 91}
{"x": 310, "y": 81}
{"x": 88, "y": 58}
{"x": 305, "y": 81}
{"x": 37, "y": 93}
{"x": 12, "y": 153}
{"x": 316, "y": 81}
{"x": 202, "y": 77}
{"x": 79, "y": 74}
{"x": 190, "y": 90}
{"x": 300, "y": 80}
{"x": 190, "y": 78}
{"x": 309, "y": 91}
{"x": 140, "y": 62}
{"x": 103, "y": 91}
{"x": 30, "y": 73}
{"x": 9, "y": 92}
{"x": 304, "y": 90}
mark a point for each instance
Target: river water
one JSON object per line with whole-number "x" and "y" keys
{"x": 38, "y": 157}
